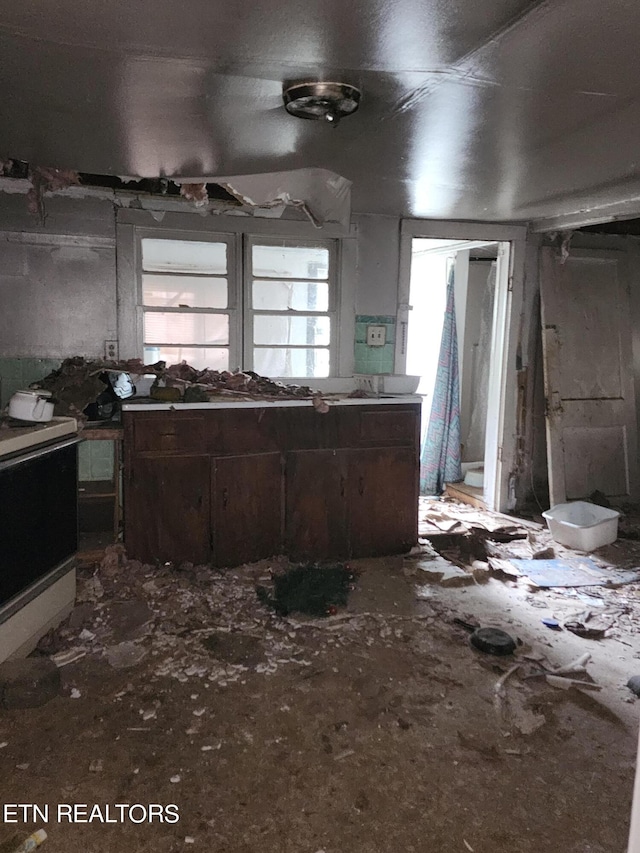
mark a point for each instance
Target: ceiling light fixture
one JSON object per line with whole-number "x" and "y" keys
{"x": 328, "y": 101}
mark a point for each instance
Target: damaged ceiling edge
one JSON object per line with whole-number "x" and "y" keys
{"x": 133, "y": 199}
{"x": 323, "y": 196}
{"x": 320, "y": 195}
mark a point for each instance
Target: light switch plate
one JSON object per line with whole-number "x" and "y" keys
{"x": 376, "y": 336}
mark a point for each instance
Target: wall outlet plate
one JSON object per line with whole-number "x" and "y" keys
{"x": 111, "y": 350}
{"x": 376, "y": 336}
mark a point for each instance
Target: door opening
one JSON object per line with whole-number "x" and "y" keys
{"x": 480, "y": 274}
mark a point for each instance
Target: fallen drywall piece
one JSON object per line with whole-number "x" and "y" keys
{"x": 571, "y": 572}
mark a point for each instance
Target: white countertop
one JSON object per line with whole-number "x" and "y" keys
{"x": 15, "y": 438}
{"x": 275, "y": 402}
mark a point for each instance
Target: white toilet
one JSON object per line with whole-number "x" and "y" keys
{"x": 474, "y": 474}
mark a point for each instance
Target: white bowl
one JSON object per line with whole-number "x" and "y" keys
{"x": 400, "y": 384}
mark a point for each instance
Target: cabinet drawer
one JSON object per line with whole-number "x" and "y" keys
{"x": 233, "y": 431}
{"x": 169, "y": 434}
{"x": 306, "y": 429}
{"x": 392, "y": 426}
{"x": 379, "y": 427}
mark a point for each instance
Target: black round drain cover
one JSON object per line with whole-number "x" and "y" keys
{"x": 493, "y": 641}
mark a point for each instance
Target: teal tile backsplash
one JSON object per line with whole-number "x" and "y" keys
{"x": 95, "y": 460}
{"x": 17, "y": 373}
{"x": 374, "y": 359}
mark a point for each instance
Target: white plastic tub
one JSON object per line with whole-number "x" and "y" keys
{"x": 582, "y": 525}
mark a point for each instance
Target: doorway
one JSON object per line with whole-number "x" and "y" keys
{"x": 483, "y": 270}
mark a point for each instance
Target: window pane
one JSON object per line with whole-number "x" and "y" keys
{"x": 291, "y": 295}
{"x": 175, "y": 327}
{"x": 279, "y": 361}
{"x": 284, "y": 329}
{"x": 182, "y": 291}
{"x": 199, "y": 357}
{"x": 290, "y": 261}
{"x": 183, "y": 256}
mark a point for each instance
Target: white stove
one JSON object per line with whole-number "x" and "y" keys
{"x": 18, "y": 435}
{"x": 38, "y": 529}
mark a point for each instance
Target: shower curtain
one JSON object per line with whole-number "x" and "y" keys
{"x": 440, "y": 453}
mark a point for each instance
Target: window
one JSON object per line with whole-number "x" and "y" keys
{"x": 185, "y": 301}
{"x": 274, "y": 313}
{"x": 291, "y": 305}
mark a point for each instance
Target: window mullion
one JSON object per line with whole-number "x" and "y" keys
{"x": 247, "y": 315}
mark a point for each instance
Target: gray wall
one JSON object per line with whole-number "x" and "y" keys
{"x": 58, "y": 281}
{"x": 378, "y": 264}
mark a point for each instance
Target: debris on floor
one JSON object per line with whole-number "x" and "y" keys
{"x": 576, "y": 571}
{"x": 34, "y": 840}
{"x": 191, "y": 690}
{"x": 451, "y": 516}
{"x": 314, "y": 589}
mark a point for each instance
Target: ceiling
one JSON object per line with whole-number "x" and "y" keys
{"x": 495, "y": 110}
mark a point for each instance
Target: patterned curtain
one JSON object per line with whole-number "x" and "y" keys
{"x": 440, "y": 453}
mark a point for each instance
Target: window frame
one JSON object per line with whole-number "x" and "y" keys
{"x": 249, "y": 312}
{"x": 132, "y": 224}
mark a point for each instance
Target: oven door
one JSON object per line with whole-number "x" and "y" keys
{"x": 38, "y": 514}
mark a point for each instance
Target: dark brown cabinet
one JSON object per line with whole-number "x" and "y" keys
{"x": 381, "y": 519}
{"x": 246, "y": 498}
{"x": 316, "y": 504}
{"x": 167, "y": 513}
{"x": 235, "y": 485}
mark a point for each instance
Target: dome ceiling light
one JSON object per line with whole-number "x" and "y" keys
{"x": 328, "y": 101}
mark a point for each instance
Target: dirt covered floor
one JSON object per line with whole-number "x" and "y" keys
{"x": 378, "y": 728}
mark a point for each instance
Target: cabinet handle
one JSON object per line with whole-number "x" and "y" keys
{"x": 361, "y": 486}
{"x": 342, "y": 485}
{"x": 225, "y": 498}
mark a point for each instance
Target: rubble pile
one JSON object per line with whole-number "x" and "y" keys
{"x": 77, "y": 383}
{"x": 213, "y": 382}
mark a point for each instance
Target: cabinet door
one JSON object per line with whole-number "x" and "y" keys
{"x": 316, "y": 516}
{"x": 383, "y": 501}
{"x": 247, "y": 497}
{"x": 167, "y": 509}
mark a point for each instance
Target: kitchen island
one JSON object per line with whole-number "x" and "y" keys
{"x": 238, "y": 480}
